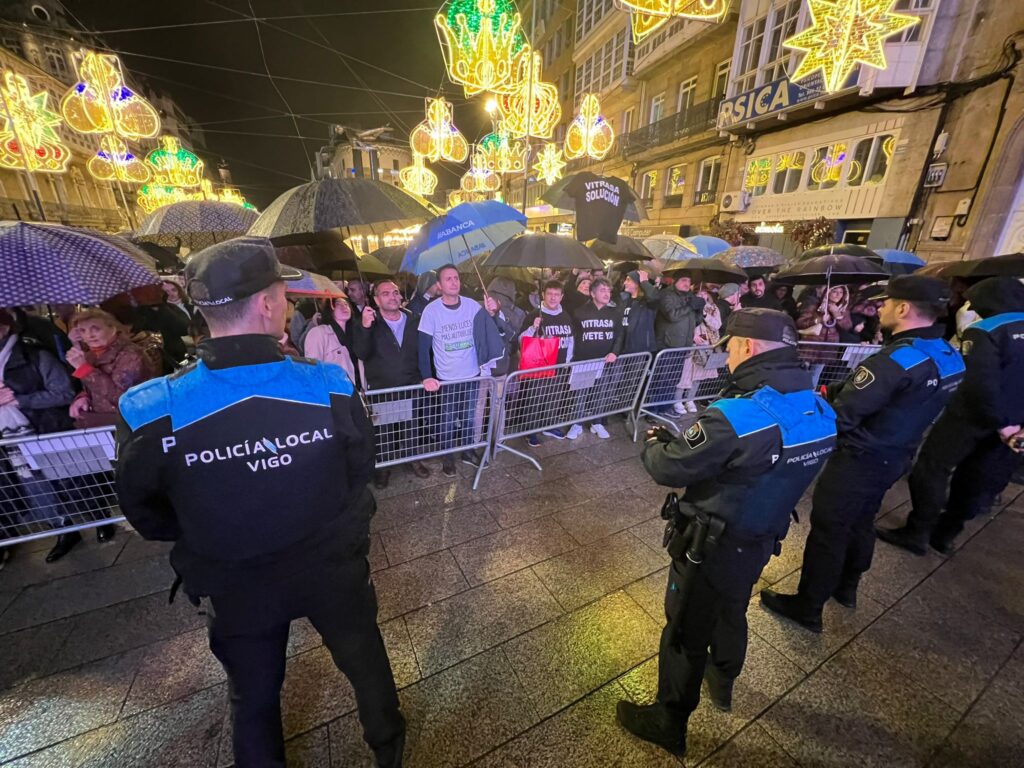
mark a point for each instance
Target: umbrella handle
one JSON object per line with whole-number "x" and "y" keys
{"x": 476, "y": 268}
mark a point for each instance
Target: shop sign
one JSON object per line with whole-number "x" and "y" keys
{"x": 770, "y": 99}
{"x": 769, "y": 229}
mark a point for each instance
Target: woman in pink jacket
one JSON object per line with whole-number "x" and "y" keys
{"x": 329, "y": 341}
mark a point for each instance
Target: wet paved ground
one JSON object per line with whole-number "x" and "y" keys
{"x": 516, "y": 616}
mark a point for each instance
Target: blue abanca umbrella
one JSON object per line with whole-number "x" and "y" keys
{"x": 899, "y": 262}
{"x": 708, "y": 247}
{"x": 467, "y": 230}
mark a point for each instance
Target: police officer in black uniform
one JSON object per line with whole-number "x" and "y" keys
{"x": 882, "y": 412}
{"x": 745, "y": 463}
{"x": 967, "y": 459}
{"x": 256, "y": 466}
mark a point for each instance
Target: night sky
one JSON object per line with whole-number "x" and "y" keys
{"x": 232, "y": 106}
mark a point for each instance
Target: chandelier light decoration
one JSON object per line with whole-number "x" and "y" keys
{"x": 549, "y": 165}
{"x": 479, "y": 179}
{"x": 843, "y": 34}
{"x": 234, "y": 197}
{"x": 115, "y": 162}
{"x": 437, "y": 138}
{"x": 29, "y": 139}
{"x": 175, "y": 166}
{"x": 502, "y": 153}
{"x": 153, "y": 196}
{"x": 481, "y": 41}
{"x": 417, "y": 178}
{"x": 650, "y": 15}
{"x": 533, "y": 106}
{"x": 589, "y": 134}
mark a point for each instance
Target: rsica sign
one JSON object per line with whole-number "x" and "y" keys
{"x": 769, "y": 99}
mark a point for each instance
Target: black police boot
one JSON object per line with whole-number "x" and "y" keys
{"x": 904, "y": 538}
{"x": 655, "y": 724}
{"x": 105, "y": 533}
{"x": 719, "y": 688}
{"x": 793, "y": 608}
{"x": 846, "y": 594}
{"x": 390, "y": 756}
{"x": 65, "y": 543}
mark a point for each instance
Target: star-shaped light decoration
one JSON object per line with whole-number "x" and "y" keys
{"x": 417, "y": 178}
{"x": 843, "y": 34}
{"x": 549, "y": 165}
{"x": 589, "y": 133}
{"x": 29, "y": 140}
{"x": 437, "y": 138}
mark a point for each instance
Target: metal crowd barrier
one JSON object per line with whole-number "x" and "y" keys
{"x": 558, "y": 396}
{"x": 56, "y": 483}
{"x": 412, "y": 424}
{"x": 832, "y": 363}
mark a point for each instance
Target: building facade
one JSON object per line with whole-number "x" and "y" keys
{"x": 365, "y": 154}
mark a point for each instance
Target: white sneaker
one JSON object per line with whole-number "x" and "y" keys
{"x": 574, "y": 432}
{"x": 679, "y": 409}
{"x": 691, "y": 406}
{"x": 600, "y": 431}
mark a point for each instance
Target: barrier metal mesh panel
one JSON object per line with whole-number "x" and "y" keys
{"x": 56, "y": 483}
{"x": 833, "y": 363}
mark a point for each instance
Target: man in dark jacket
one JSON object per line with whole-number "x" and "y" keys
{"x": 744, "y": 464}
{"x": 680, "y": 311}
{"x": 637, "y": 315}
{"x": 385, "y": 341}
{"x": 966, "y": 460}
{"x": 759, "y": 297}
{"x": 883, "y": 410}
{"x": 256, "y": 466}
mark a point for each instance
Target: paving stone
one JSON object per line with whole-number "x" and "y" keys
{"x": 452, "y": 494}
{"x": 567, "y": 658}
{"x": 554, "y": 467}
{"x": 767, "y": 675}
{"x": 609, "y": 452}
{"x": 527, "y": 504}
{"x": 597, "y": 518}
{"x": 27, "y": 568}
{"x": 501, "y": 553}
{"x": 454, "y": 629}
{"x": 583, "y": 575}
{"x": 314, "y": 692}
{"x": 131, "y": 624}
{"x": 459, "y": 714}
{"x": 138, "y": 548}
{"x": 31, "y": 653}
{"x": 51, "y": 709}
{"x": 436, "y": 532}
{"x": 348, "y": 750}
{"x": 85, "y": 592}
{"x": 173, "y": 669}
{"x": 302, "y": 637}
{"x": 412, "y": 585}
{"x": 855, "y": 711}
{"x": 183, "y": 734}
{"x": 378, "y": 556}
{"x": 807, "y": 649}
{"x": 649, "y": 593}
{"x": 652, "y": 492}
{"x": 7, "y": 597}
{"x": 894, "y": 573}
{"x": 586, "y": 735}
{"x": 942, "y": 651}
{"x": 310, "y": 750}
{"x": 652, "y": 533}
{"x": 404, "y": 666}
{"x": 989, "y": 735}
{"x": 753, "y": 748}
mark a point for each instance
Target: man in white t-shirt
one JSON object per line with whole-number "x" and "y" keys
{"x": 449, "y": 333}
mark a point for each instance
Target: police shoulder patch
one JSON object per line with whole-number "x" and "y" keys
{"x": 695, "y": 436}
{"x": 863, "y": 378}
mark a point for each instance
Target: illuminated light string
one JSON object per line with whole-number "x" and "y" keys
{"x": 417, "y": 178}
{"x": 29, "y": 139}
{"x": 115, "y": 162}
{"x": 502, "y": 153}
{"x": 589, "y": 134}
{"x": 437, "y": 138}
{"x": 758, "y": 173}
{"x": 479, "y": 179}
{"x": 175, "y": 166}
{"x": 534, "y": 107}
{"x": 647, "y": 16}
{"x": 843, "y": 34}
{"x": 154, "y": 196}
{"x": 549, "y": 165}
{"x": 100, "y": 102}
{"x": 480, "y": 41}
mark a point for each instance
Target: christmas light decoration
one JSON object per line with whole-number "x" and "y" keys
{"x": 437, "y": 138}
{"x": 589, "y": 133}
{"x": 479, "y": 179}
{"x": 503, "y": 154}
{"x": 417, "y": 178}
{"x": 843, "y": 34}
{"x": 549, "y": 165}
{"x": 644, "y": 24}
{"x": 649, "y": 15}
{"x": 233, "y": 196}
{"x": 115, "y": 162}
{"x": 175, "y": 166}
{"x": 758, "y": 173}
{"x": 829, "y": 169}
{"x": 29, "y": 139}
{"x": 790, "y": 160}
{"x": 520, "y": 117}
{"x": 100, "y": 102}
{"x": 153, "y": 196}
{"x": 480, "y": 41}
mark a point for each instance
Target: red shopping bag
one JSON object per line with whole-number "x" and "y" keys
{"x": 537, "y": 352}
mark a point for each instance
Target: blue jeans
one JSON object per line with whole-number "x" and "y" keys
{"x": 458, "y": 407}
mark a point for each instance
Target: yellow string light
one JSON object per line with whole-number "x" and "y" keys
{"x": 437, "y": 138}
{"x": 830, "y": 168}
{"x": 115, "y": 162}
{"x": 481, "y": 40}
{"x": 644, "y": 24}
{"x": 175, "y": 166}
{"x": 542, "y": 116}
{"x": 758, "y": 173}
{"x": 29, "y": 139}
{"x": 100, "y": 102}
{"x": 153, "y": 196}
{"x": 503, "y": 154}
{"x": 650, "y": 15}
{"x": 549, "y": 165}
{"x": 479, "y": 179}
{"x": 417, "y": 178}
{"x": 234, "y": 197}
{"x": 843, "y": 34}
{"x": 589, "y": 133}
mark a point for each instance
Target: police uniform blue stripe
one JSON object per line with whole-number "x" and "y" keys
{"x": 989, "y": 324}
{"x": 907, "y": 357}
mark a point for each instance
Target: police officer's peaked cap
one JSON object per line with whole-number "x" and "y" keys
{"x": 926, "y": 290}
{"x": 761, "y": 324}
{"x": 234, "y": 269}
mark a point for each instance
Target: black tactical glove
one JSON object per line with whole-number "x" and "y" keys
{"x": 660, "y": 434}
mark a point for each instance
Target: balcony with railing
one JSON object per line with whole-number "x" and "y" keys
{"x": 705, "y": 196}
{"x": 695, "y": 119}
{"x": 15, "y": 209}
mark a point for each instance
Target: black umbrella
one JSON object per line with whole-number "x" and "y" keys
{"x": 359, "y": 206}
{"x": 325, "y": 252}
{"x": 1009, "y": 265}
{"x": 840, "y": 249}
{"x": 545, "y": 251}
{"x": 835, "y": 269}
{"x": 164, "y": 258}
{"x": 558, "y": 197}
{"x": 391, "y": 256}
{"x": 706, "y": 270}
{"x": 623, "y": 249}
